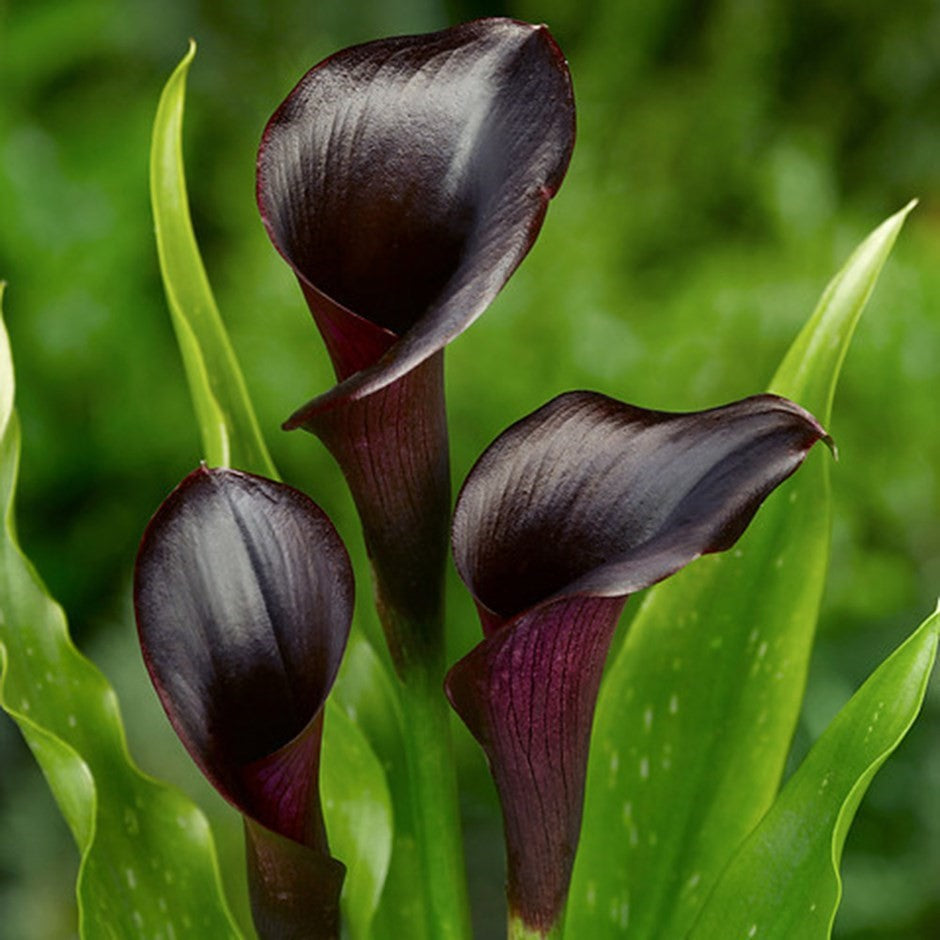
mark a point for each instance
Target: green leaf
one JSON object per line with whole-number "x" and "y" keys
{"x": 784, "y": 880}
{"x": 810, "y": 369}
{"x": 364, "y": 689}
{"x": 231, "y": 437}
{"x": 358, "y": 811}
{"x": 230, "y": 433}
{"x": 367, "y": 693}
{"x": 696, "y": 714}
{"x": 148, "y": 865}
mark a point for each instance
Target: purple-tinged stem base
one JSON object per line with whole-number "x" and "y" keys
{"x": 294, "y": 890}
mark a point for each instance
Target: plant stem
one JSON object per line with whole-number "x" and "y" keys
{"x": 435, "y": 808}
{"x": 518, "y": 930}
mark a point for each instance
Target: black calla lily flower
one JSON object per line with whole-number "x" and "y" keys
{"x": 243, "y": 594}
{"x": 403, "y": 181}
{"x": 568, "y": 512}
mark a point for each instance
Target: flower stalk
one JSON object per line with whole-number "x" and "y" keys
{"x": 434, "y": 802}
{"x": 519, "y": 930}
{"x": 392, "y": 447}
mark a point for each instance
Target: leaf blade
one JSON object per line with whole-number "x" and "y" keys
{"x": 700, "y": 712}
{"x": 784, "y": 880}
{"x": 68, "y": 715}
{"x": 231, "y": 437}
{"x": 358, "y": 808}
{"x": 810, "y": 370}
{"x": 230, "y": 432}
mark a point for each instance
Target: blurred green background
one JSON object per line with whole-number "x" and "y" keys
{"x": 730, "y": 155}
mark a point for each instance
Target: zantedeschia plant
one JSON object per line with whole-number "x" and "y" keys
{"x": 571, "y": 510}
{"x": 243, "y": 594}
{"x": 403, "y": 181}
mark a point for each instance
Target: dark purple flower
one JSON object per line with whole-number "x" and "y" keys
{"x": 243, "y": 593}
{"x": 567, "y": 513}
{"x": 404, "y": 180}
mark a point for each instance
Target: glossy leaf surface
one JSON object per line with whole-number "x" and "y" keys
{"x": 783, "y": 883}
{"x": 358, "y": 810}
{"x": 697, "y": 712}
{"x": 148, "y": 863}
{"x": 365, "y": 688}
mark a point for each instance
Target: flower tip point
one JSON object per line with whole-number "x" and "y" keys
{"x": 294, "y": 421}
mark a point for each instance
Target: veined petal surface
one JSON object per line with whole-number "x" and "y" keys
{"x": 243, "y": 594}
{"x": 569, "y": 511}
{"x": 591, "y": 496}
{"x": 405, "y": 179}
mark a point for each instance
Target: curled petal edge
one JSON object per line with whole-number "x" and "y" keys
{"x": 527, "y": 692}
{"x": 504, "y": 193}
{"x": 570, "y": 448}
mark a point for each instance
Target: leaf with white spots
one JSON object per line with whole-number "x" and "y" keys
{"x": 148, "y": 862}
{"x": 720, "y": 654}
{"x": 783, "y": 883}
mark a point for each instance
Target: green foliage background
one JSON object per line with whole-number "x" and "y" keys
{"x": 730, "y": 155}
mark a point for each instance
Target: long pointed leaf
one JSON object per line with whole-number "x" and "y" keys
{"x": 148, "y": 864}
{"x": 230, "y": 433}
{"x": 784, "y": 881}
{"x": 696, "y": 715}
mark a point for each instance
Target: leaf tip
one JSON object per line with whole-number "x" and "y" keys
{"x": 898, "y": 219}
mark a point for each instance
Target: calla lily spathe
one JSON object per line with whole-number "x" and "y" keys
{"x": 403, "y": 181}
{"x": 569, "y": 511}
{"x": 243, "y": 594}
